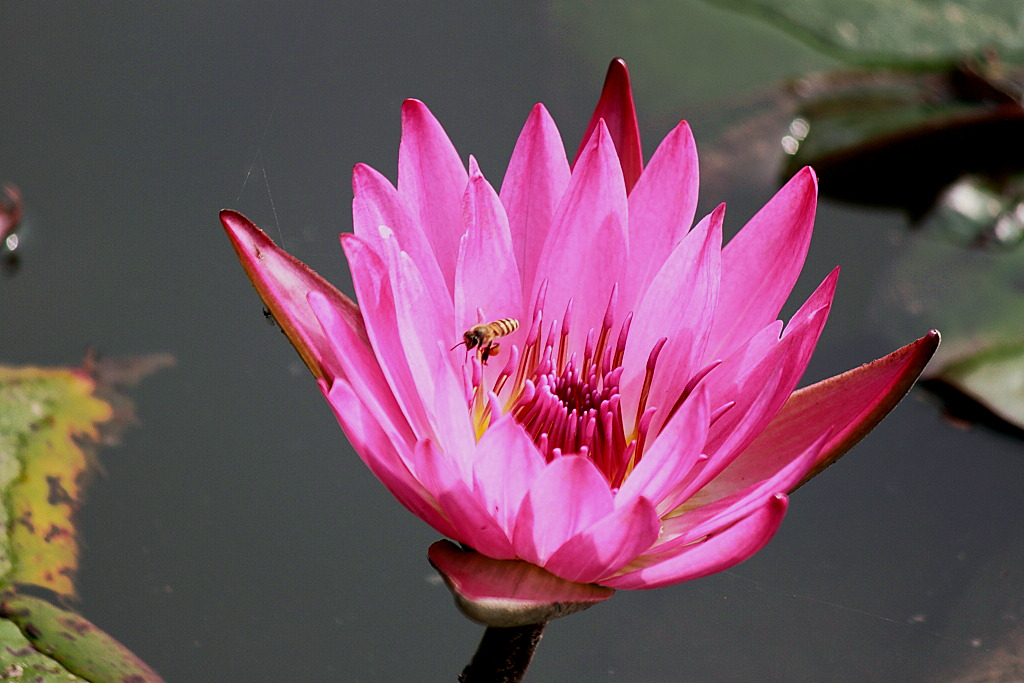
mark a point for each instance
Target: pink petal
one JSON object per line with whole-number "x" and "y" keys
{"x": 473, "y": 524}
{"x": 715, "y": 554}
{"x": 616, "y": 109}
{"x": 504, "y": 468}
{"x": 672, "y": 454}
{"x": 715, "y": 515}
{"x": 487, "y": 277}
{"x": 373, "y": 288}
{"x": 607, "y": 545}
{"x": 378, "y": 452}
{"x": 362, "y": 372}
{"x": 421, "y": 323}
{"x": 282, "y": 281}
{"x": 852, "y": 403}
{"x": 679, "y": 304}
{"x": 661, "y": 209}
{"x": 509, "y": 593}
{"x": 585, "y": 253}
{"x": 453, "y": 425}
{"x": 376, "y": 202}
{"x": 432, "y": 178}
{"x": 774, "y": 376}
{"x": 761, "y": 263}
{"x": 752, "y": 414}
{"x": 567, "y": 497}
{"x": 820, "y": 298}
{"x": 724, "y": 379}
{"x": 535, "y": 181}
{"x": 738, "y": 375}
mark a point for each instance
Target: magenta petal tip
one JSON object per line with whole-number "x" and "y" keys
{"x": 282, "y": 281}
{"x": 616, "y": 108}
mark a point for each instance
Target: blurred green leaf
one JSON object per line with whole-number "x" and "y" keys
{"x": 995, "y": 378}
{"x": 686, "y": 59}
{"x": 896, "y": 138}
{"x": 895, "y": 32}
{"x": 963, "y": 271}
{"x": 47, "y": 418}
{"x": 19, "y": 661}
{"x": 51, "y": 421}
{"x": 75, "y": 643}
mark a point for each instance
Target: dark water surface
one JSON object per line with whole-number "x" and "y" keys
{"x": 235, "y": 536}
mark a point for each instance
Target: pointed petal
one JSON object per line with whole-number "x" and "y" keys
{"x": 422, "y": 324}
{"x": 373, "y": 288}
{"x": 453, "y": 424}
{"x": 672, "y": 454}
{"x": 504, "y": 468}
{"x": 509, "y": 593}
{"x": 536, "y": 179}
{"x": 716, "y": 515}
{"x": 679, "y": 304}
{"x": 749, "y": 359}
{"x": 746, "y": 378}
{"x": 715, "y": 554}
{"x": 759, "y": 393}
{"x": 282, "y": 281}
{"x": 820, "y": 298}
{"x": 617, "y": 110}
{"x": 487, "y": 277}
{"x": 853, "y": 403}
{"x": 378, "y": 452}
{"x": 376, "y": 202}
{"x": 761, "y": 263}
{"x": 432, "y": 179}
{"x": 745, "y": 370}
{"x": 362, "y": 372}
{"x": 585, "y": 253}
{"x": 567, "y": 497}
{"x": 608, "y": 545}
{"x": 661, "y": 209}
{"x": 472, "y": 523}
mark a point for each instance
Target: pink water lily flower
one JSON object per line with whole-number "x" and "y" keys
{"x": 640, "y": 426}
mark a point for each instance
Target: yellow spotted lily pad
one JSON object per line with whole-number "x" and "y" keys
{"x": 49, "y": 420}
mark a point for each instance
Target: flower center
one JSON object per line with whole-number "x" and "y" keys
{"x": 571, "y": 404}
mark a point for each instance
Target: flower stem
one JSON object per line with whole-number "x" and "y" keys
{"x": 503, "y": 654}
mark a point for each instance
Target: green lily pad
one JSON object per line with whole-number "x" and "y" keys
{"x": 896, "y": 138}
{"x": 895, "y": 32}
{"x": 20, "y": 661}
{"x": 963, "y": 271}
{"x": 67, "y": 639}
{"x": 993, "y": 377}
{"x": 51, "y": 420}
{"x": 48, "y": 418}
